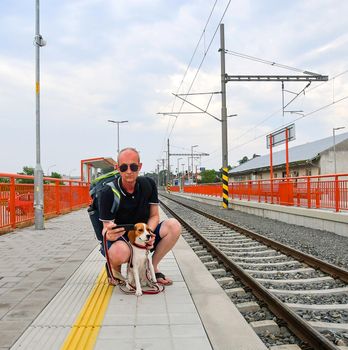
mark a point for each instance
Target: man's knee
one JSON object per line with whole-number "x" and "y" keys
{"x": 172, "y": 227}
{"x": 119, "y": 251}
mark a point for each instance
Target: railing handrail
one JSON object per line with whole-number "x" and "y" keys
{"x": 17, "y": 198}
{"x": 328, "y": 191}
{"x": 46, "y": 178}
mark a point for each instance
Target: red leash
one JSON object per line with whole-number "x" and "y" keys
{"x": 114, "y": 281}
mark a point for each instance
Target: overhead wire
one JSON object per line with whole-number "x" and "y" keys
{"x": 275, "y": 112}
{"x": 201, "y": 63}
{"x": 274, "y": 64}
{"x": 285, "y": 67}
{"x": 260, "y": 60}
{"x": 189, "y": 64}
{"x": 324, "y": 82}
{"x": 301, "y": 117}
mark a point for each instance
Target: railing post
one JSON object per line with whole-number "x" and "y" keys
{"x": 271, "y": 190}
{"x": 12, "y": 202}
{"x": 57, "y": 197}
{"x": 70, "y": 196}
{"x": 337, "y": 194}
{"x": 259, "y": 189}
{"x": 309, "y": 204}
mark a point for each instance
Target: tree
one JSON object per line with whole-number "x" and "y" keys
{"x": 27, "y": 170}
{"x": 56, "y": 175}
{"x": 208, "y": 176}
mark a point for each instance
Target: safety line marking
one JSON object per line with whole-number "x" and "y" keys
{"x": 84, "y": 332}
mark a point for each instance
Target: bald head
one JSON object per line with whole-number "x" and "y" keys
{"x": 128, "y": 150}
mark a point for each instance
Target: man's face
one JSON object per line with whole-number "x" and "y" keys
{"x": 130, "y": 159}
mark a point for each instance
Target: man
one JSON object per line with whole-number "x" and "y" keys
{"x": 139, "y": 203}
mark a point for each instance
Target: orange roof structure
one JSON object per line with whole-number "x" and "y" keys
{"x": 92, "y": 167}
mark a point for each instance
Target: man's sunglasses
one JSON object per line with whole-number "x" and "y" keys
{"x": 123, "y": 167}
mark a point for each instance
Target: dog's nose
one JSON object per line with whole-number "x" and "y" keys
{"x": 148, "y": 236}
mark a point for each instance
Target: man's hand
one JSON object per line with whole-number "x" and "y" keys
{"x": 151, "y": 241}
{"x": 112, "y": 234}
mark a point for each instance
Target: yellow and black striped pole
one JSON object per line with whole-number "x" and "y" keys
{"x": 225, "y": 188}
{"x": 224, "y": 121}
{"x": 168, "y": 187}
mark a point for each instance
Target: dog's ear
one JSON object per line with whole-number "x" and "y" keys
{"x": 131, "y": 236}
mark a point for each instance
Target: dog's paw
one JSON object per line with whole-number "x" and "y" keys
{"x": 138, "y": 293}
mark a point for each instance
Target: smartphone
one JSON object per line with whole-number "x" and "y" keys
{"x": 127, "y": 227}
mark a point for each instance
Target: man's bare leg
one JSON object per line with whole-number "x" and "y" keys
{"x": 170, "y": 232}
{"x": 119, "y": 254}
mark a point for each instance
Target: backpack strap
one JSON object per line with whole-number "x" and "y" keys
{"x": 117, "y": 196}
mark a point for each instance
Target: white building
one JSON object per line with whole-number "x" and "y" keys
{"x": 313, "y": 158}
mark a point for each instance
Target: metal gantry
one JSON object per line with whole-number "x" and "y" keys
{"x": 225, "y": 78}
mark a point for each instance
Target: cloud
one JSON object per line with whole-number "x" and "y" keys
{"x": 109, "y": 59}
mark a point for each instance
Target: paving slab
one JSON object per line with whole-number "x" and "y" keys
{"x": 35, "y": 264}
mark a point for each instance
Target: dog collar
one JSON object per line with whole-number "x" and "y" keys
{"x": 139, "y": 246}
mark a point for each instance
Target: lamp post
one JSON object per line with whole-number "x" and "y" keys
{"x": 334, "y": 144}
{"x": 70, "y": 172}
{"x": 38, "y": 172}
{"x": 178, "y": 166}
{"x": 48, "y": 169}
{"x": 118, "y": 122}
{"x": 183, "y": 175}
{"x": 192, "y": 147}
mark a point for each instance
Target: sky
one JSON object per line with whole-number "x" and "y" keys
{"x": 123, "y": 60}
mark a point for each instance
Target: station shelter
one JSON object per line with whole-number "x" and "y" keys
{"x": 94, "y": 167}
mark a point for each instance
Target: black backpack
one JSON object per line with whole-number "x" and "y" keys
{"x": 97, "y": 185}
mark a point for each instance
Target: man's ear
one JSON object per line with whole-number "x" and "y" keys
{"x": 131, "y": 236}
{"x": 140, "y": 166}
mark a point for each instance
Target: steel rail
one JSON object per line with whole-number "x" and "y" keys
{"x": 332, "y": 270}
{"x": 294, "y": 322}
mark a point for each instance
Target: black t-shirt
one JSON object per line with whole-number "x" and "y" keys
{"x": 133, "y": 207}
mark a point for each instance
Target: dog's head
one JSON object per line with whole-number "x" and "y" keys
{"x": 141, "y": 234}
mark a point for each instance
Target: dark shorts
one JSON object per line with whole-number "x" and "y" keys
{"x": 125, "y": 237}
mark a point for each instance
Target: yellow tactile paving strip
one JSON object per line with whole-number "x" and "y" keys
{"x": 85, "y": 330}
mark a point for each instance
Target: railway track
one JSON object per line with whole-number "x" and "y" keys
{"x": 308, "y": 295}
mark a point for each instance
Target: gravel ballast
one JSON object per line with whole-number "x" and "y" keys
{"x": 321, "y": 244}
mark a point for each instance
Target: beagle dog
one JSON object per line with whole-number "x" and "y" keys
{"x": 140, "y": 259}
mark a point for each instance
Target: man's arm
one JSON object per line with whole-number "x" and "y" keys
{"x": 154, "y": 216}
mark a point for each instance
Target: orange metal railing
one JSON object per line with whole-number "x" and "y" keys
{"x": 323, "y": 191}
{"x": 17, "y": 199}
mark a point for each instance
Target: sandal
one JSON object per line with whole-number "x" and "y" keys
{"x": 163, "y": 277}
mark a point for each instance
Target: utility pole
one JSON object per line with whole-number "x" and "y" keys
{"x": 158, "y": 176}
{"x": 168, "y": 164}
{"x": 178, "y": 166}
{"x": 38, "y": 173}
{"x": 223, "y": 120}
{"x": 163, "y": 169}
{"x": 192, "y": 147}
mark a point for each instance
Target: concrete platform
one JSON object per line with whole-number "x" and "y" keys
{"x": 49, "y": 275}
